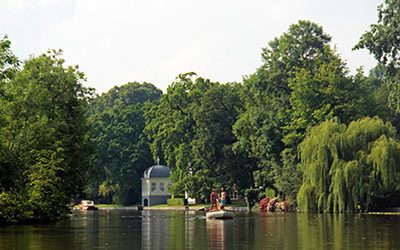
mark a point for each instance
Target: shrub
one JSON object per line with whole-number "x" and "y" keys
{"x": 270, "y": 192}
{"x": 251, "y": 195}
{"x": 13, "y": 208}
{"x": 176, "y": 202}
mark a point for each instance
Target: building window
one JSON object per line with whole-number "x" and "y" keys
{"x": 162, "y": 188}
{"x": 153, "y": 186}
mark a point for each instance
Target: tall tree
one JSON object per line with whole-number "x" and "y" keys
{"x": 8, "y": 67}
{"x": 266, "y": 93}
{"x": 191, "y": 129}
{"x": 45, "y": 133}
{"x": 122, "y": 149}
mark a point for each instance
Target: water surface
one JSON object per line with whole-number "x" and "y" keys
{"x": 130, "y": 229}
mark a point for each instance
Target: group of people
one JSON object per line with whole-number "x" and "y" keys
{"x": 218, "y": 200}
{"x": 271, "y": 205}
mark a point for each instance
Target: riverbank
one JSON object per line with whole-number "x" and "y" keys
{"x": 198, "y": 207}
{"x": 236, "y": 206}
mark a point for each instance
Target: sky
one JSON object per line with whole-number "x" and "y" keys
{"x": 120, "y": 41}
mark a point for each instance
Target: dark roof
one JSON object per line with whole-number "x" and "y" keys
{"x": 157, "y": 171}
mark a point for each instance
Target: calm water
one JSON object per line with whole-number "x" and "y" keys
{"x": 129, "y": 229}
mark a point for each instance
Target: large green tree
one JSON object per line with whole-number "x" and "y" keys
{"x": 8, "y": 68}
{"x": 44, "y": 135}
{"x": 122, "y": 150}
{"x": 191, "y": 130}
{"x": 347, "y": 167}
{"x": 326, "y": 92}
{"x": 267, "y": 94}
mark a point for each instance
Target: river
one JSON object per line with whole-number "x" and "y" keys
{"x": 130, "y": 229}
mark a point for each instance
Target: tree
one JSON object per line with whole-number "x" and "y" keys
{"x": 45, "y": 134}
{"x": 251, "y": 195}
{"x": 191, "y": 130}
{"x": 383, "y": 41}
{"x": 8, "y": 67}
{"x": 346, "y": 167}
{"x": 8, "y": 61}
{"x": 122, "y": 149}
{"x": 266, "y": 93}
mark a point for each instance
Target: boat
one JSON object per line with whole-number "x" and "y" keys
{"x": 87, "y": 205}
{"x": 221, "y": 214}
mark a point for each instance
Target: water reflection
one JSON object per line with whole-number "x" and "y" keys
{"x": 219, "y": 233}
{"x": 341, "y": 231}
{"x": 171, "y": 229}
{"x": 129, "y": 229}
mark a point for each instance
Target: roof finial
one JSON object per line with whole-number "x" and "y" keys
{"x": 158, "y": 160}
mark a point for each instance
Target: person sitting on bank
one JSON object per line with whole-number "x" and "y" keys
{"x": 222, "y": 198}
{"x": 214, "y": 200}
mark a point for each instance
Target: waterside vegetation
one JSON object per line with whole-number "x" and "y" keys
{"x": 301, "y": 125}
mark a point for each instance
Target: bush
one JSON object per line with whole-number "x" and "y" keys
{"x": 270, "y": 192}
{"x": 251, "y": 195}
{"x": 47, "y": 200}
{"x": 176, "y": 202}
{"x": 13, "y": 208}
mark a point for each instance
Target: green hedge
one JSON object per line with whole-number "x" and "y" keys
{"x": 176, "y": 202}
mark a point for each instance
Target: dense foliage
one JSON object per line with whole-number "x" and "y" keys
{"x": 45, "y": 147}
{"x": 383, "y": 41}
{"x": 301, "y": 83}
{"x": 122, "y": 150}
{"x": 191, "y": 130}
{"x": 298, "y": 125}
{"x": 345, "y": 167}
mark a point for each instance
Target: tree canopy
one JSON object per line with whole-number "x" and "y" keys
{"x": 122, "y": 150}
{"x": 383, "y": 41}
{"x": 191, "y": 130}
{"x": 45, "y": 147}
{"x": 345, "y": 167}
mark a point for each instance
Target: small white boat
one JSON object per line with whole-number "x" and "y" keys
{"x": 222, "y": 214}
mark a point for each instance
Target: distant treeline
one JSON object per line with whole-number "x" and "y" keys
{"x": 301, "y": 124}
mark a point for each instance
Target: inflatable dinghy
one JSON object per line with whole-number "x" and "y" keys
{"x": 222, "y": 214}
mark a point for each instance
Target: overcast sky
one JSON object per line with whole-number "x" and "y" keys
{"x": 118, "y": 41}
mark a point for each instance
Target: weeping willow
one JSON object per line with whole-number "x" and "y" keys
{"x": 345, "y": 166}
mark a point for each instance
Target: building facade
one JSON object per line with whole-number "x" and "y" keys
{"x": 155, "y": 183}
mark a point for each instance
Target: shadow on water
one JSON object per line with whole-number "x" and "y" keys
{"x": 130, "y": 229}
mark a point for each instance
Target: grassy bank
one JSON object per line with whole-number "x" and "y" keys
{"x": 233, "y": 205}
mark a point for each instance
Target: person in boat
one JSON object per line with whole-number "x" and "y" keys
{"x": 214, "y": 200}
{"x": 222, "y": 198}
